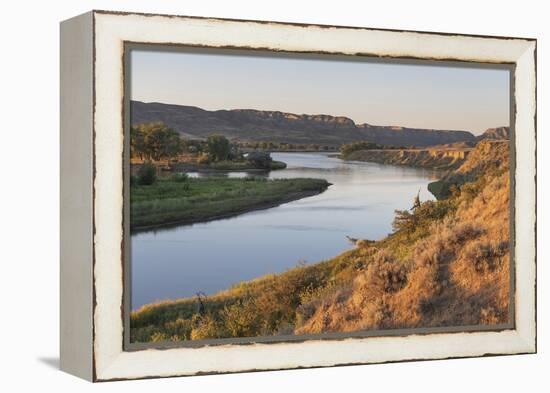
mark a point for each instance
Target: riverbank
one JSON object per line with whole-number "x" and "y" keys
{"x": 445, "y": 264}
{"x": 175, "y": 202}
{"x": 227, "y": 166}
{"x": 419, "y": 158}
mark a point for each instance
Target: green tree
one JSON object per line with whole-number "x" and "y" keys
{"x": 349, "y": 148}
{"x": 154, "y": 141}
{"x": 219, "y": 147}
{"x": 162, "y": 142}
{"x": 260, "y": 159}
{"x": 137, "y": 142}
{"x": 404, "y": 221}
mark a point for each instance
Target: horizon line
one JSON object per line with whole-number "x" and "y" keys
{"x": 320, "y": 114}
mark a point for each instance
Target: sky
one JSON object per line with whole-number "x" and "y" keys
{"x": 409, "y": 95}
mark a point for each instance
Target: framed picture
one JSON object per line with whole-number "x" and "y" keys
{"x": 246, "y": 195}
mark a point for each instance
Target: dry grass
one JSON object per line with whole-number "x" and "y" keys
{"x": 457, "y": 275}
{"x": 449, "y": 266}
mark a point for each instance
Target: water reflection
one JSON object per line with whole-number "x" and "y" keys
{"x": 180, "y": 261}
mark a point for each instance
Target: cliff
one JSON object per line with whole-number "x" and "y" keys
{"x": 275, "y": 126}
{"x": 443, "y": 156}
{"x": 421, "y": 158}
{"x": 488, "y": 157}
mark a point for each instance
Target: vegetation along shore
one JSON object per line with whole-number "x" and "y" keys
{"x": 179, "y": 199}
{"x": 446, "y": 263}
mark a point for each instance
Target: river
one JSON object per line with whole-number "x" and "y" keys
{"x": 208, "y": 257}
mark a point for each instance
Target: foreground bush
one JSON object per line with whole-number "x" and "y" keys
{"x": 147, "y": 174}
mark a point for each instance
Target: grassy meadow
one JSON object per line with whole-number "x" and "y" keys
{"x": 179, "y": 199}
{"x": 242, "y": 165}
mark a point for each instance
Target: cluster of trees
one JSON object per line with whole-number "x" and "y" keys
{"x": 349, "y": 148}
{"x": 154, "y": 142}
{"x": 284, "y": 146}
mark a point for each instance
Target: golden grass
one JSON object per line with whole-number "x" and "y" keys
{"x": 458, "y": 275}
{"x": 449, "y": 267}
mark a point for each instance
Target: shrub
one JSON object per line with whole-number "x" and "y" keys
{"x": 465, "y": 231}
{"x": 242, "y": 319}
{"x": 311, "y": 293}
{"x": 260, "y": 159}
{"x": 486, "y": 256}
{"x": 133, "y": 180}
{"x": 385, "y": 274}
{"x": 147, "y": 174}
{"x": 158, "y": 337}
{"x": 422, "y": 216}
{"x": 207, "y": 327}
{"x": 490, "y": 316}
{"x": 470, "y": 190}
{"x": 180, "y": 328}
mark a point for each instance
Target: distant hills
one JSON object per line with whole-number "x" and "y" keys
{"x": 257, "y": 125}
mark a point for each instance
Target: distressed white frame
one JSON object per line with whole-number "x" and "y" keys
{"x": 111, "y": 30}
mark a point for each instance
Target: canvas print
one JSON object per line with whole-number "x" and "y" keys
{"x": 278, "y": 195}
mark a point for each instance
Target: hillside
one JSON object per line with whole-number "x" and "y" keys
{"x": 256, "y": 125}
{"x": 443, "y": 156}
{"x": 420, "y": 158}
{"x": 445, "y": 264}
{"x": 488, "y": 157}
{"x": 450, "y": 271}
{"x": 495, "y": 133}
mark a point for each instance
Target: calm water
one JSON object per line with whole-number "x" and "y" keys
{"x": 208, "y": 257}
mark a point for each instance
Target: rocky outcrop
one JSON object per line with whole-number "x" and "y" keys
{"x": 495, "y": 133}
{"x": 421, "y": 158}
{"x": 275, "y": 126}
{"x": 488, "y": 156}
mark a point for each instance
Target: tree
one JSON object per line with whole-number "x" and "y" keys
{"x": 416, "y": 202}
{"x": 349, "y": 148}
{"x": 162, "y": 142}
{"x": 137, "y": 142}
{"x": 154, "y": 141}
{"x": 260, "y": 159}
{"x": 219, "y": 147}
{"x": 404, "y": 221}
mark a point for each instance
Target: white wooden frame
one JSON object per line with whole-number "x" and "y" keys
{"x": 92, "y": 141}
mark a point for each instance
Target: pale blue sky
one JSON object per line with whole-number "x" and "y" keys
{"x": 440, "y": 97}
